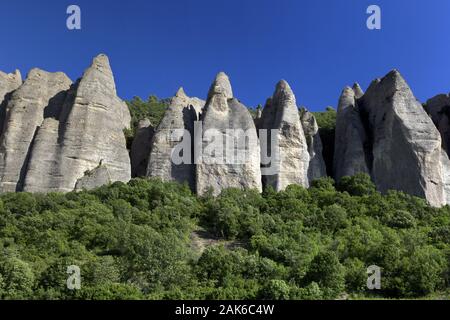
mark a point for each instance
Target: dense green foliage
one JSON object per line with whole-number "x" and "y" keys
{"x": 152, "y": 109}
{"x": 327, "y": 124}
{"x": 135, "y": 241}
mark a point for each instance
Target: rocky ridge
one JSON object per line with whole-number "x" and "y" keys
{"x": 62, "y": 136}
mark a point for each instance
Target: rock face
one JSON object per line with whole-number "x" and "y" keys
{"x": 281, "y": 114}
{"x": 93, "y": 178}
{"x": 41, "y": 93}
{"x": 388, "y": 130}
{"x": 56, "y": 135}
{"x": 406, "y": 153}
{"x": 316, "y": 168}
{"x": 41, "y": 175}
{"x": 8, "y": 83}
{"x": 140, "y": 148}
{"x": 446, "y": 176}
{"x": 89, "y": 131}
{"x": 230, "y": 156}
{"x": 175, "y": 130}
{"x": 438, "y": 108}
{"x": 350, "y": 138}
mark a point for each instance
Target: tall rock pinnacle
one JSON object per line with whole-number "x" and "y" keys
{"x": 8, "y": 83}
{"x": 387, "y": 133}
{"x": 221, "y": 86}
{"x": 175, "y": 130}
{"x": 41, "y": 93}
{"x": 90, "y": 133}
{"x": 230, "y": 147}
{"x": 350, "y": 138}
{"x": 281, "y": 113}
{"x": 316, "y": 168}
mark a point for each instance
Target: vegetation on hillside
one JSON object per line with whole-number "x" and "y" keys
{"x": 134, "y": 241}
{"x": 152, "y": 109}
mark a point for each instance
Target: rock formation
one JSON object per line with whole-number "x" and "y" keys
{"x": 173, "y": 139}
{"x": 41, "y": 93}
{"x": 350, "y": 137}
{"x": 438, "y": 108}
{"x": 389, "y": 133}
{"x": 230, "y": 156}
{"x": 140, "y": 148}
{"x": 56, "y": 135}
{"x": 86, "y": 131}
{"x": 8, "y": 83}
{"x": 94, "y": 178}
{"x": 316, "y": 168}
{"x": 281, "y": 113}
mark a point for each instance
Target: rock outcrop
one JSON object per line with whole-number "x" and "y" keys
{"x": 290, "y": 150}
{"x": 171, "y": 157}
{"x": 89, "y": 132}
{"x": 438, "y": 108}
{"x": 316, "y": 168}
{"x": 350, "y": 137}
{"x": 94, "y": 178}
{"x": 389, "y": 133}
{"x": 230, "y": 156}
{"x": 140, "y": 148}
{"x": 41, "y": 175}
{"x": 56, "y": 135}
{"x": 42, "y": 93}
{"x": 8, "y": 83}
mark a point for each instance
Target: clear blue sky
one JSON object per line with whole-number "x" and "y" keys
{"x": 318, "y": 46}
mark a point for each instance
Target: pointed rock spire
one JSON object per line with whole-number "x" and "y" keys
{"x": 41, "y": 92}
{"x": 8, "y": 83}
{"x": 176, "y": 130}
{"x": 406, "y": 146}
{"x": 235, "y": 162}
{"x": 290, "y": 150}
{"x": 180, "y": 93}
{"x": 221, "y": 86}
{"x": 350, "y": 138}
{"x": 347, "y": 99}
{"x": 91, "y": 109}
{"x": 357, "y": 90}
{"x": 316, "y": 168}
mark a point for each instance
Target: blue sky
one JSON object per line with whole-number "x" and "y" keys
{"x": 318, "y": 46}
